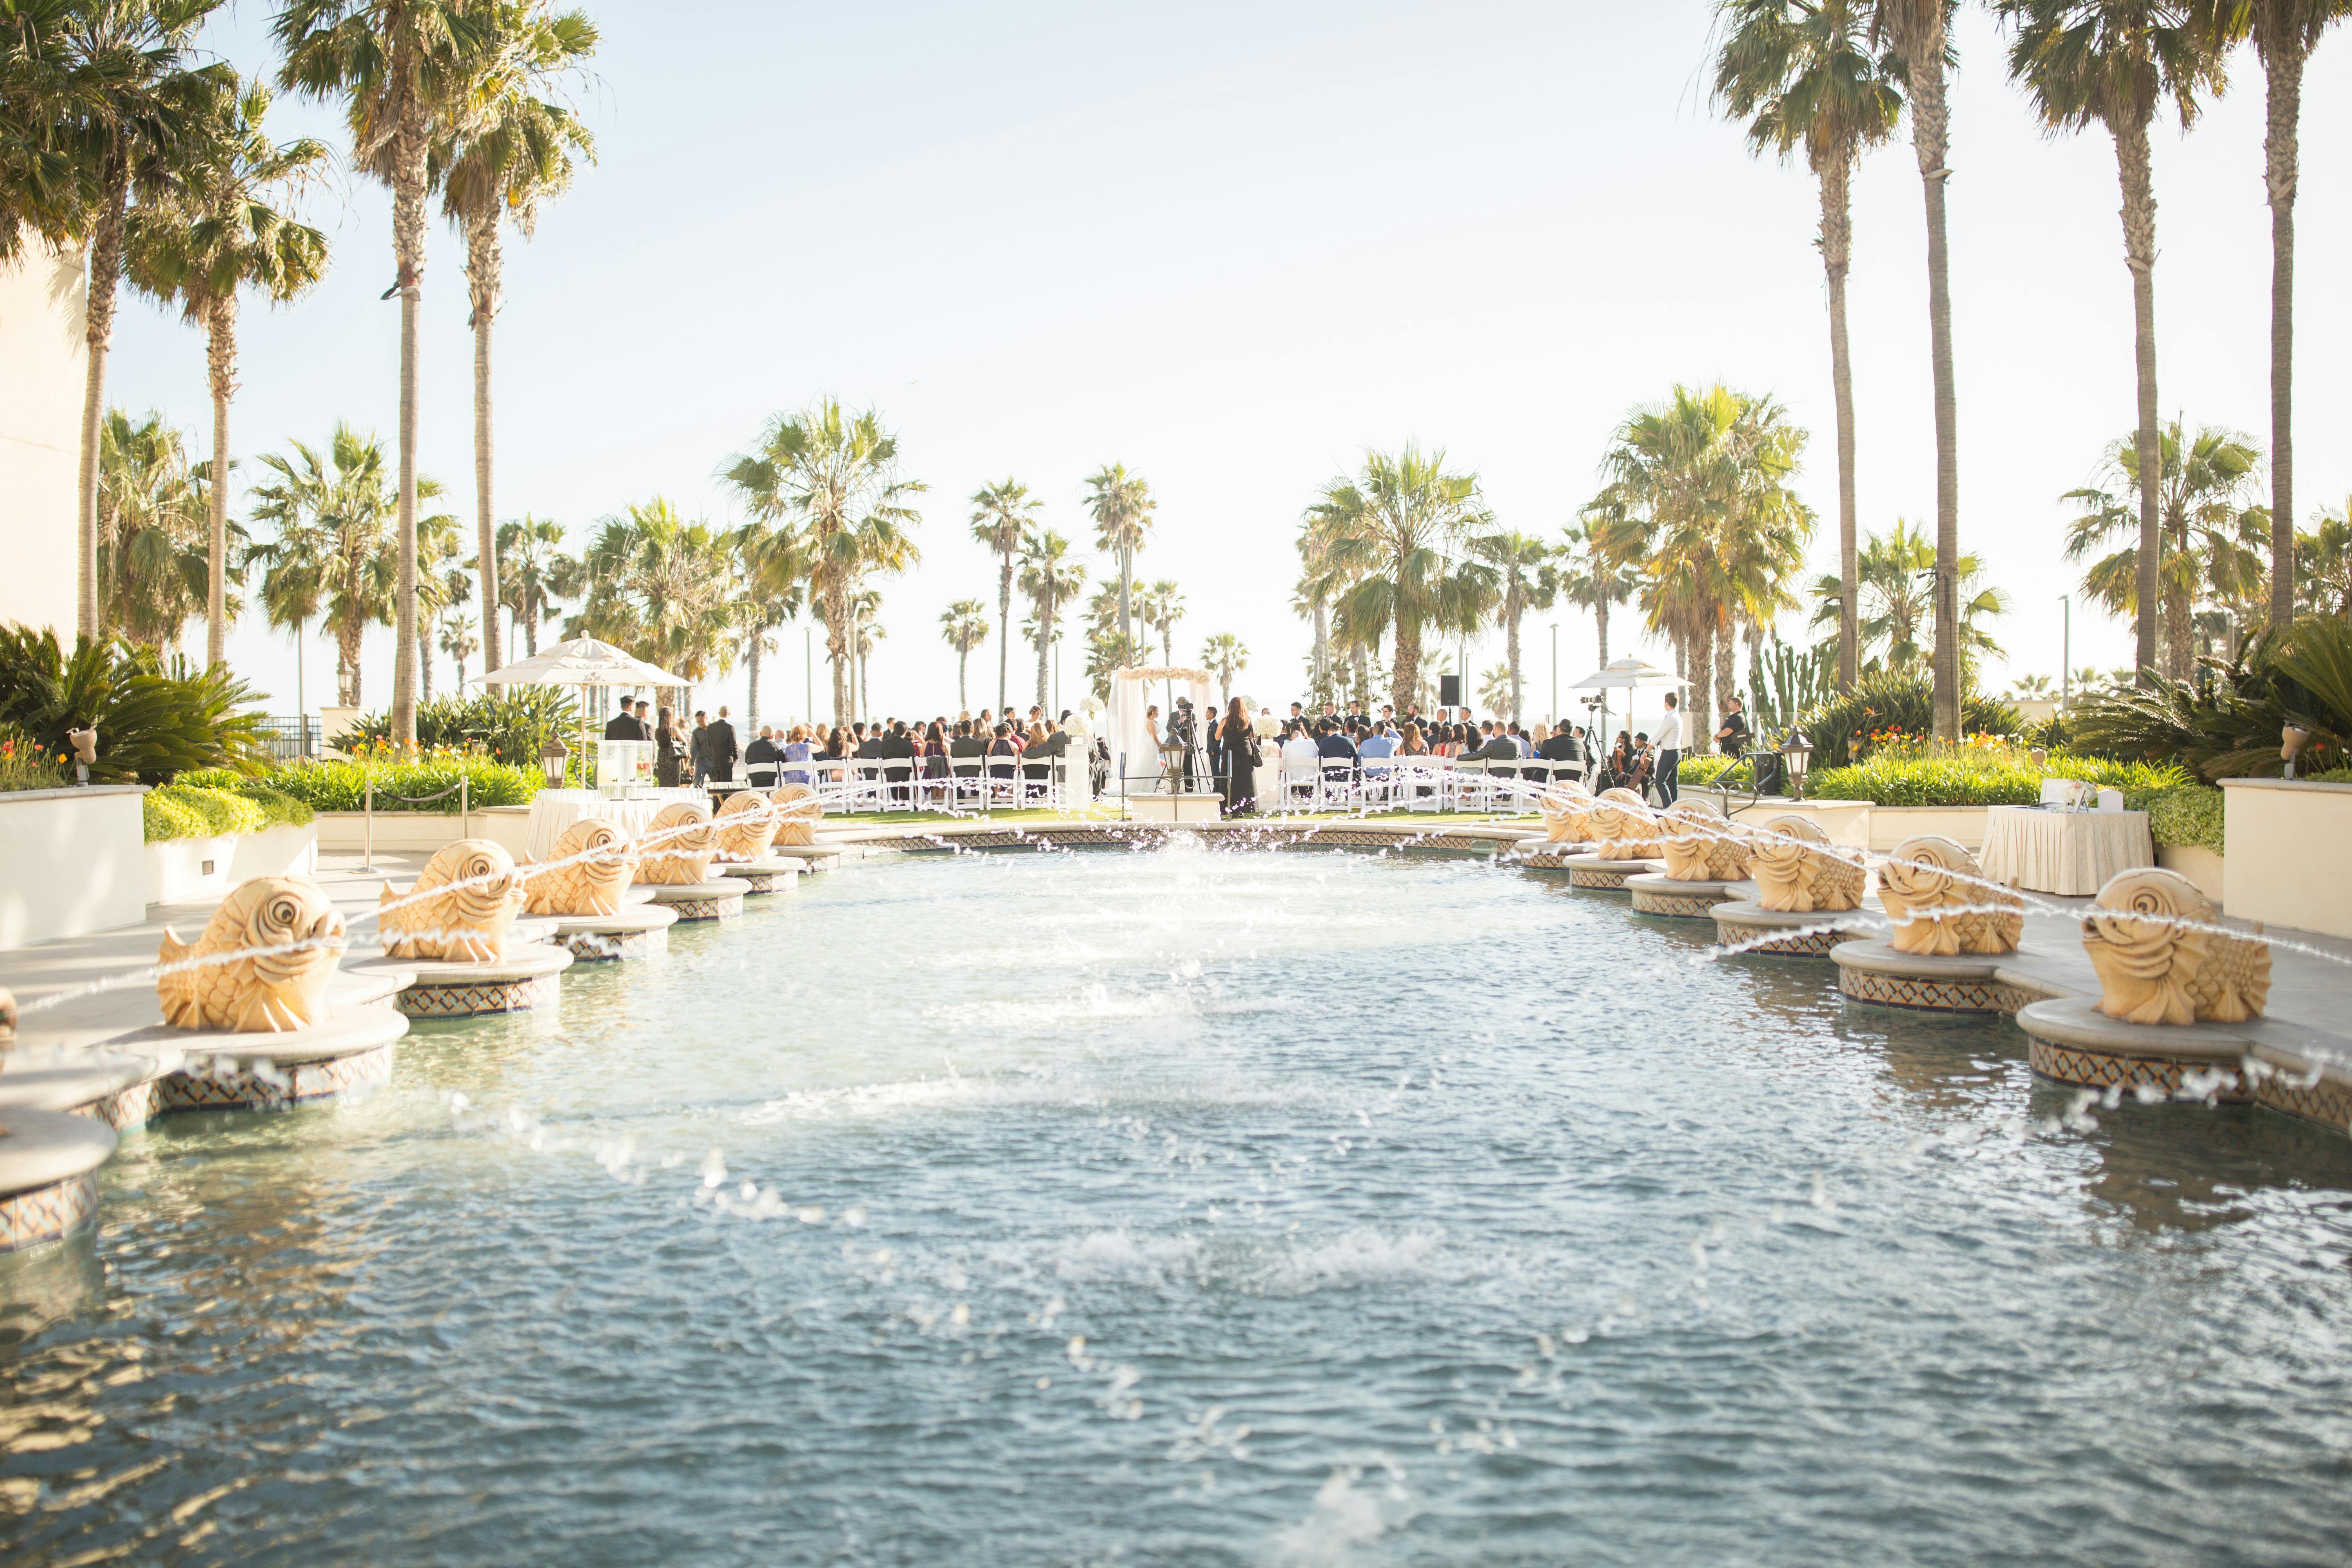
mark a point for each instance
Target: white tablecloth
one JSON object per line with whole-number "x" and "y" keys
{"x": 2072, "y": 853}
{"x": 554, "y": 810}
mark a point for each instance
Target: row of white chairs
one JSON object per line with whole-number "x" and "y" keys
{"x": 861, "y": 784}
{"x": 1416, "y": 784}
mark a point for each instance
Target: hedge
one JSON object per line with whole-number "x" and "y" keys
{"x": 2189, "y": 816}
{"x": 341, "y": 785}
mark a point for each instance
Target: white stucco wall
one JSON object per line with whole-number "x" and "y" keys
{"x": 43, "y": 363}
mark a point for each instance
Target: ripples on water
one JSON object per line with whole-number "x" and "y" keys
{"x": 1196, "y": 1208}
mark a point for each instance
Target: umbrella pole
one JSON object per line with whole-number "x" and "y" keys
{"x": 582, "y": 710}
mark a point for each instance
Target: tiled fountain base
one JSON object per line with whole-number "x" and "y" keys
{"x": 469, "y": 998}
{"x": 248, "y": 1086}
{"x": 48, "y": 1214}
{"x": 719, "y": 901}
{"x": 46, "y": 1167}
{"x": 1611, "y": 875}
{"x": 1663, "y": 895}
{"x": 1875, "y": 972}
{"x": 1743, "y": 920}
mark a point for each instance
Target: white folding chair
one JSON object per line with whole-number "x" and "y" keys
{"x": 1301, "y": 777}
{"x": 1336, "y": 786}
{"x": 1003, "y": 781}
{"x": 1378, "y": 787}
{"x": 864, "y": 780}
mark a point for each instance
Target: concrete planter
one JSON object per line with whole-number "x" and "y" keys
{"x": 179, "y": 870}
{"x": 422, "y": 832}
{"x": 1891, "y": 825}
{"x": 2197, "y": 863}
{"x": 2291, "y": 848}
{"x": 71, "y": 861}
{"x": 1846, "y": 822}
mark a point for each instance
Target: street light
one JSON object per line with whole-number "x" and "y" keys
{"x": 1555, "y": 672}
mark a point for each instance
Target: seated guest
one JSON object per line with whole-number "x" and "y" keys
{"x": 1038, "y": 756}
{"x": 966, "y": 750}
{"x": 897, "y": 750}
{"x": 1002, "y": 744}
{"x": 1413, "y": 744}
{"x": 935, "y": 756}
{"x": 868, "y": 746}
{"x": 759, "y": 759}
{"x": 796, "y": 749}
{"x": 1377, "y": 745}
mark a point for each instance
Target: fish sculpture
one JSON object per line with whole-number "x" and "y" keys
{"x": 747, "y": 825}
{"x": 1567, "y": 808}
{"x": 473, "y": 894}
{"x": 676, "y": 846}
{"x": 2157, "y": 962}
{"x": 1699, "y": 844}
{"x": 1798, "y": 872}
{"x": 592, "y": 864}
{"x": 1623, "y": 826}
{"x": 800, "y": 812}
{"x": 261, "y": 964}
{"x": 1941, "y": 904}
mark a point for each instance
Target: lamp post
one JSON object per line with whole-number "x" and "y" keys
{"x": 808, "y": 671}
{"x": 552, "y": 758}
{"x": 2066, "y": 653}
{"x": 1799, "y": 751}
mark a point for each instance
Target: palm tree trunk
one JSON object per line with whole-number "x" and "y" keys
{"x": 347, "y": 663}
{"x": 1322, "y": 648}
{"x": 2179, "y": 616}
{"x": 1360, "y": 678}
{"x": 220, "y": 353}
{"x": 2139, "y": 256}
{"x": 1919, "y": 39}
{"x": 1045, "y": 645}
{"x": 1837, "y": 256}
{"x": 1126, "y": 570}
{"x": 424, "y": 661}
{"x": 1511, "y": 613}
{"x": 530, "y": 628}
{"x": 836, "y": 644}
{"x": 483, "y": 261}
{"x": 1700, "y": 705}
{"x": 409, "y": 192}
{"x": 963, "y": 697}
{"x": 1405, "y": 679}
{"x": 1726, "y": 685}
{"x": 1004, "y": 633}
{"x": 97, "y": 332}
{"x": 2282, "y": 60}
{"x": 1601, "y": 623}
{"x": 752, "y": 695}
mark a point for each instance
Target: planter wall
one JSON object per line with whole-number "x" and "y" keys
{"x": 179, "y": 870}
{"x": 71, "y": 861}
{"x": 2199, "y": 865}
{"x": 1846, "y": 822}
{"x": 2290, "y": 853}
{"x": 1891, "y": 825}
{"x": 422, "y": 832}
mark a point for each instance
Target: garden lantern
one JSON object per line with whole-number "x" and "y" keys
{"x": 1799, "y": 751}
{"x": 551, "y": 757}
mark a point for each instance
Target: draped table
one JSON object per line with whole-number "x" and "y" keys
{"x": 2072, "y": 853}
{"x": 554, "y": 810}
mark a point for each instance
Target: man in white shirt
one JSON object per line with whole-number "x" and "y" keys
{"x": 1669, "y": 743}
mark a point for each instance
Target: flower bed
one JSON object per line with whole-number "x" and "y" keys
{"x": 342, "y": 785}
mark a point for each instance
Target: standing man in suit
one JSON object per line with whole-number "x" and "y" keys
{"x": 719, "y": 750}
{"x": 625, "y": 726}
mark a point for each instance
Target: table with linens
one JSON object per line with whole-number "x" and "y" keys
{"x": 554, "y": 810}
{"x": 2069, "y": 852}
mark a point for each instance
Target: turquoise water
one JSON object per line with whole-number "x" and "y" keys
{"x": 1193, "y": 1207}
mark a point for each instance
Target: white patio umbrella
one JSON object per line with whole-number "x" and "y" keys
{"x": 1628, "y": 673}
{"x": 582, "y": 661}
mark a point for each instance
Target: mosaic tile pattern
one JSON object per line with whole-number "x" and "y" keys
{"x": 2080, "y": 1068}
{"x": 2326, "y": 1102}
{"x": 1605, "y": 875}
{"x": 762, "y": 882}
{"x": 1691, "y": 906}
{"x": 126, "y": 1111}
{"x": 241, "y": 1090}
{"x": 1932, "y": 995}
{"x": 468, "y": 998}
{"x": 725, "y": 907}
{"x": 48, "y": 1214}
{"x": 593, "y": 946}
{"x": 1816, "y": 945}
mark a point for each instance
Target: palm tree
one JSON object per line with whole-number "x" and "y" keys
{"x": 436, "y": 591}
{"x": 1395, "y": 533}
{"x": 663, "y": 588}
{"x": 2208, "y": 540}
{"x": 2326, "y": 552}
{"x": 127, "y": 114}
{"x": 200, "y": 248}
{"x": 1530, "y": 580}
{"x": 864, "y": 630}
{"x": 337, "y": 519}
{"x": 402, "y": 69}
{"x": 2112, "y": 62}
{"x": 458, "y": 640}
{"x": 831, "y": 479}
{"x": 1121, "y": 506}
{"x": 1590, "y": 578}
{"x": 1801, "y": 74}
{"x": 1050, "y": 580}
{"x": 1916, "y": 30}
{"x": 965, "y": 624}
{"x": 1160, "y": 605}
{"x": 151, "y": 506}
{"x": 1002, "y": 513}
{"x": 513, "y": 151}
{"x": 1226, "y": 658}
{"x": 532, "y": 574}
{"x": 770, "y": 594}
{"x": 1895, "y": 617}
{"x": 2285, "y": 33}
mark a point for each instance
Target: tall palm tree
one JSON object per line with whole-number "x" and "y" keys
{"x": 964, "y": 625}
{"x": 151, "y": 506}
{"x": 1396, "y": 532}
{"x": 458, "y": 640}
{"x": 1160, "y": 605}
{"x": 2113, "y": 62}
{"x": 513, "y": 151}
{"x": 2207, "y": 538}
{"x": 337, "y": 518}
{"x": 2324, "y": 586}
{"x": 771, "y": 592}
{"x": 1529, "y": 576}
{"x": 1802, "y": 74}
{"x": 2285, "y": 33}
{"x": 1121, "y": 505}
{"x": 402, "y": 69}
{"x": 1049, "y": 579}
{"x": 532, "y": 574}
{"x": 1916, "y": 32}
{"x": 436, "y": 590}
{"x": 224, "y": 233}
{"x": 133, "y": 115}
{"x": 1897, "y": 614}
{"x": 831, "y": 479}
{"x": 1590, "y": 578}
{"x": 1002, "y": 514}
{"x": 1225, "y": 657}
{"x": 664, "y": 588}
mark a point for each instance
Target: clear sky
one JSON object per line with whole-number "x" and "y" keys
{"x": 1233, "y": 246}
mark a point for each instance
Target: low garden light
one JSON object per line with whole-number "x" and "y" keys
{"x": 552, "y": 757}
{"x": 1799, "y": 751}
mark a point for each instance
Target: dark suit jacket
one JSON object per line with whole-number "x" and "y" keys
{"x": 1035, "y": 756}
{"x": 719, "y": 750}
{"x": 1559, "y": 748}
{"x": 899, "y": 751}
{"x": 1338, "y": 748}
{"x": 762, "y": 752}
{"x": 624, "y": 727}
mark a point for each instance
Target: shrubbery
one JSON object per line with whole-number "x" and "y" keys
{"x": 212, "y": 805}
{"x": 513, "y": 728}
{"x": 1897, "y": 703}
{"x": 2190, "y": 815}
{"x": 152, "y": 722}
{"x": 341, "y": 785}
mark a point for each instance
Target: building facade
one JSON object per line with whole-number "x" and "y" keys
{"x": 44, "y": 361}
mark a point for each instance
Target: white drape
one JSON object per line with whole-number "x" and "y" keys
{"x": 1133, "y": 751}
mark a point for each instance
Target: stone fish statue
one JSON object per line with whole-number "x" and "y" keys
{"x": 2153, "y": 971}
{"x": 747, "y": 825}
{"x": 467, "y": 920}
{"x": 1566, "y": 811}
{"x": 1623, "y": 826}
{"x": 266, "y": 991}
{"x": 676, "y": 846}
{"x": 1798, "y": 872}
{"x": 1929, "y": 874}
{"x": 802, "y": 810}
{"x": 1699, "y": 844}
{"x": 584, "y": 886}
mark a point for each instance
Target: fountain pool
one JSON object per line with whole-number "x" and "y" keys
{"x": 1198, "y": 1208}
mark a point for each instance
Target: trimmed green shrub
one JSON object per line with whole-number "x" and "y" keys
{"x": 341, "y": 785}
{"x": 189, "y": 811}
{"x": 1989, "y": 781}
{"x": 152, "y": 723}
{"x": 2190, "y": 815}
{"x": 1717, "y": 772}
{"x": 275, "y": 804}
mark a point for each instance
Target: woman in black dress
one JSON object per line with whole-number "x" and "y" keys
{"x": 1238, "y": 757}
{"x": 668, "y": 750}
